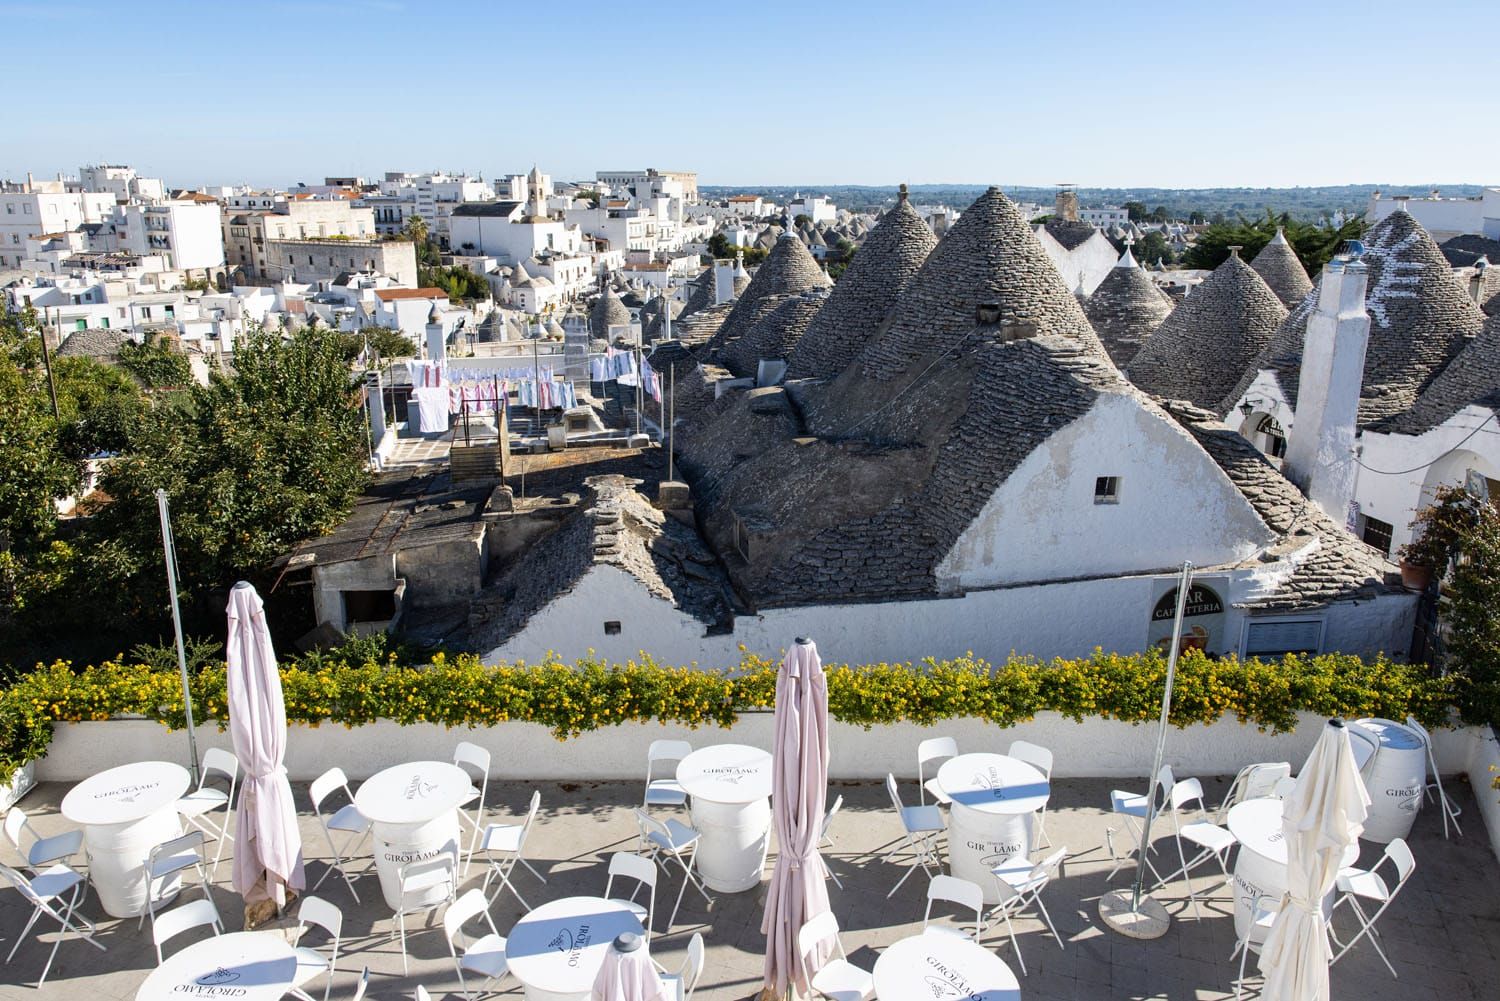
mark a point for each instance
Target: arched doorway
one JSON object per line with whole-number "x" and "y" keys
{"x": 1265, "y": 432}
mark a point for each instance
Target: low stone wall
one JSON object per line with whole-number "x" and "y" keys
{"x": 1095, "y": 748}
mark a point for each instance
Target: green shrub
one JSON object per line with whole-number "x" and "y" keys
{"x": 342, "y": 688}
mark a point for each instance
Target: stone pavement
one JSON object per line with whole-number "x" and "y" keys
{"x": 1442, "y": 933}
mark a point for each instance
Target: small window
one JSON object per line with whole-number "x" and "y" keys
{"x": 612, "y": 628}
{"x": 1274, "y": 639}
{"x": 1378, "y": 534}
{"x": 1107, "y": 490}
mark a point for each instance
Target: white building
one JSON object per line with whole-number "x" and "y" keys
{"x": 681, "y": 184}
{"x": 1082, "y": 253}
{"x": 189, "y": 232}
{"x": 123, "y": 182}
{"x": 430, "y": 196}
{"x": 33, "y": 208}
{"x": 1103, "y": 218}
{"x": 815, "y": 207}
{"x": 1443, "y": 218}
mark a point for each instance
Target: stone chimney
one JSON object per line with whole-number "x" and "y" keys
{"x": 437, "y": 342}
{"x": 1320, "y": 456}
{"x": 1067, "y": 205}
{"x": 1476, "y": 280}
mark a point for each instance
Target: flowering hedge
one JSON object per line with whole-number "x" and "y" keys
{"x": 587, "y": 695}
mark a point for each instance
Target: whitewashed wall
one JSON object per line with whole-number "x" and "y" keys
{"x": 1094, "y": 748}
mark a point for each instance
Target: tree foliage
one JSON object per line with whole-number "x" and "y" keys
{"x": 1314, "y": 243}
{"x": 156, "y": 364}
{"x": 720, "y": 247}
{"x": 461, "y": 284}
{"x": 383, "y": 341}
{"x": 1154, "y": 247}
{"x": 35, "y": 468}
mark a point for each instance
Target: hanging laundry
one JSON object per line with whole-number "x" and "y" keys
{"x": 432, "y": 408}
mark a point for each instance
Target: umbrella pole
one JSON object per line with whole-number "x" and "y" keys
{"x": 169, "y": 554}
{"x": 1135, "y": 914}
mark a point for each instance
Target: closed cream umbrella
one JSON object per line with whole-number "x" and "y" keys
{"x": 268, "y": 855}
{"x": 1321, "y": 817}
{"x": 799, "y": 787}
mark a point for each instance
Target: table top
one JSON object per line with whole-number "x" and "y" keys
{"x": 994, "y": 783}
{"x": 244, "y": 965}
{"x": 1256, "y": 823}
{"x": 413, "y": 793}
{"x": 561, "y": 945}
{"x": 126, "y": 793}
{"x": 942, "y": 967}
{"x": 726, "y": 773}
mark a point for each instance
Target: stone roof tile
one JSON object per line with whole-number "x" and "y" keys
{"x": 1126, "y": 308}
{"x": 1279, "y": 265}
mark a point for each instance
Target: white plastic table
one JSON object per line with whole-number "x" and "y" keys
{"x": 413, "y": 809}
{"x": 995, "y": 798}
{"x": 556, "y": 950}
{"x": 125, "y": 812}
{"x": 242, "y": 966}
{"x": 730, "y": 786}
{"x": 1260, "y": 865}
{"x": 934, "y": 966}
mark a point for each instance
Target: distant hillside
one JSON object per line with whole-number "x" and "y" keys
{"x": 1302, "y": 203}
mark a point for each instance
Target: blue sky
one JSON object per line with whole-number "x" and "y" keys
{"x": 1124, "y": 93}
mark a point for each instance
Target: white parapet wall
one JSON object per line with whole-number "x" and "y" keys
{"x": 1095, "y": 748}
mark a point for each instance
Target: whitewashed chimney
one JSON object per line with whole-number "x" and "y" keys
{"x": 1320, "y": 455}
{"x": 437, "y": 341}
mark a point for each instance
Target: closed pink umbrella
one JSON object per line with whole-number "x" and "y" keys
{"x": 627, "y": 974}
{"x": 268, "y": 856}
{"x": 799, "y": 787}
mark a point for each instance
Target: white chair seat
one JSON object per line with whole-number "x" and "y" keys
{"x": 310, "y": 963}
{"x": 1130, "y": 803}
{"x": 673, "y": 983}
{"x": 1364, "y": 884}
{"x": 502, "y": 837}
{"x": 922, "y": 818}
{"x": 680, "y": 836}
{"x": 55, "y": 881}
{"x": 486, "y": 956}
{"x": 201, "y": 801}
{"x": 1210, "y": 836}
{"x": 841, "y": 980}
{"x": 59, "y": 846}
{"x": 414, "y": 884}
{"x": 936, "y": 791}
{"x": 349, "y": 819}
{"x": 638, "y": 909}
{"x": 1019, "y": 874}
{"x": 665, "y": 792}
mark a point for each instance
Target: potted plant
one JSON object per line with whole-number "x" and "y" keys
{"x": 1439, "y": 527}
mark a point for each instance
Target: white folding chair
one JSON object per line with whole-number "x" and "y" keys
{"x": 1263, "y": 910}
{"x": 362, "y": 986}
{"x": 680, "y": 986}
{"x": 475, "y": 761}
{"x": 195, "y": 914}
{"x": 837, "y": 979}
{"x": 196, "y": 806}
{"x": 486, "y": 954}
{"x": 665, "y": 791}
{"x": 418, "y": 881}
{"x": 1210, "y": 840}
{"x": 55, "y": 892}
{"x": 1257, "y": 781}
{"x": 826, "y": 841}
{"x": 1040, "y": 758}
{"x": 1020, "y": 884}
{"x": 1354, "y": 885}
{"x": 960, "y": 892}
{"x": 1283, "y": 787}
{"x": 920, "y": 827}
{"x": 168, "y": 860}
{"x": 1132, "y": 807}
{"x": 346, "y": 820}
{"x": 503, "y": 845}
{"x": 679, "y": 842}
{"x": 643, "y": 871}
{"x": 38, "y": 853}
{"x": 1450, "y": 809}
{"x": 934, "y": 749}
{"x": 310, "y": 962}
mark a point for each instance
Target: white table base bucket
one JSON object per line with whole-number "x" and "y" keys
{"x": 977, "y": 842}
{"x": 537, "y": 994}
{"x": 1394, "y": 778}
{"x": 117, "y": 860}
{"x": 397, "y": 845}
{"x": 732, "y": 850}
{"x": 1254, "y": 875}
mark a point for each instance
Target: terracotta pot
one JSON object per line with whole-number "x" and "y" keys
{"x": 1415, "y": 576}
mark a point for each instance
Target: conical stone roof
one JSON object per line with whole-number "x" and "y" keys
{"x": 1126, "y": 308}
{"x": 1201, "y": 349}
{"x": 881, "y": 272}
{"x": 1279, "y": 265}
{"x": 608, "y": 311}
{"x": 773, "y": 337}
{"x": 1471, "y": 378}
{"x": 787, "y": 270}
{"x": 1420, "y": 318}
{"x": 702, "y": 292}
